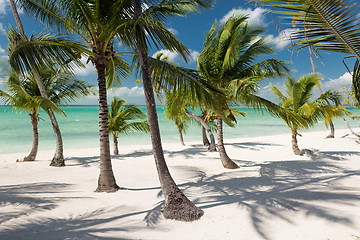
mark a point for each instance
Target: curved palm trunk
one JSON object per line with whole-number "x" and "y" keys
{"x": 212, "y": 147}
{"x": 177, "y": 205}
{"x": 116, "y": 149}
{"x": 294, "y": 142}
{"x": 332, "y": 128}
{"x": 350, "y": 129}
{"x": 204, "y": 137}
{"x": 58, "y": 159}
{"x": 106, "y": 182}
{"x": 225, "y": 160}
{"x": 181, "y": 136}
{"x": 34, "y": 150}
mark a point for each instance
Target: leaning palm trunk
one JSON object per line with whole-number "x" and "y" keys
{"x": 225, "y": 160}
{"x": 212, "y": 147}
{"x": 58, "y": 159}
{"x": 106, "y": 182}
{"x": 116, "y": 149}
{"x": 332, "y": 130}
{"x": 177, "y": 205}
{"x": 204, "y": 137}
{"x": 181, "y": 136}
{"x": 350, "y": 129}
{"x": 294, "y": 142}
{"x": 34, "y": 150}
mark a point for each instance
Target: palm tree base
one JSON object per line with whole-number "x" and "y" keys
{"x": 108, "y": 189}
{"x": 29, "y": 159}
{"x": 179, "y": 207}
{"x": 330, "y": 136}
{"x": 58, "y": 161}
{"x": 228, "y": 163}
{"x": 212, "y": 148}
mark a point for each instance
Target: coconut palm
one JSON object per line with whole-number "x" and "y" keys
{"x": 228, "y": 61}
{"x": 177, "y": 206}
{"x": 24, "y": 95}
{"x": 124, "y": 119}
{"x": 31, "y": 54}
{"x": 97, "y": 24}
{"x": 297, "y": 100}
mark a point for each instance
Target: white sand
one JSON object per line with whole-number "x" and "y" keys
{"x": 274, "y": 195}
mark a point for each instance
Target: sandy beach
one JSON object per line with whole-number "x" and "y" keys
{"x": 275, "y": 195}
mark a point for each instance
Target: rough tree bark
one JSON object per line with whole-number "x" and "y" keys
{"x": 181, "y": 136}
{"x": 34, "y": 150}
{"x": 116, "y": 149}
{"x": 212, "y": 147}
{"x": 294, "y": 142}
{"x": 177, "y": 205}
{"x": 225, "y": 160}
{"x": 106, "y": 182}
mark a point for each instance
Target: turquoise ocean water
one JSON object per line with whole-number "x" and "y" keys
{"x": 80, "y": 128}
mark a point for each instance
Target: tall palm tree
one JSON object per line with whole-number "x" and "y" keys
{"x": 124, "y": 119}
{"x": 177, "y": 205}
{"x": 28, "y": 54}
{"x": 24, "y": 95}
{"x": 228, "y": 60}
{"x": 97, "y": 24}
{"x": 297, "y": 101}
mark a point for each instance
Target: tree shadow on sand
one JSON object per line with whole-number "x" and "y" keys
{"x": 24, "y": 198}
{"x": 87, "y": 226}
{"x": 254, "y": 146}
{"x": 282, "y": 187}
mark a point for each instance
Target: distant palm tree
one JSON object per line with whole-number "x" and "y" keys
{"x": 308, "y": 113}
{"x": 23, "y": 94}
{"x": 124, "y": 119}
{"x": 36, "y": 52}
{"x": 228, "y": 61}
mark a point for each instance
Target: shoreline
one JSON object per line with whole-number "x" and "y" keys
{"x": 275, "y": 195}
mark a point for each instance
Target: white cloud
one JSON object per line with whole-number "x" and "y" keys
{"x": 3, "y": 5}
{"x": 283, "y": 39}
{"x": 256, "y": 16}
{"x": 167, "y": 53}
{"x": 339, "y": 84}
{"x": 194, "y": 55}
{"x": 88, "y": 70}
{"x": 173, "y": 31}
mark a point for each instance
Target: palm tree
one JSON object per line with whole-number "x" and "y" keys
{"x": 24, "y": 95}
{"x": 97, "y": 23}
{"x": 329, "y": 25}
{"x": 122, "y": 120}
{"x": 31, "y": 54}
{"x": 228, "y": 60}
{"x": 297, "y": 101}
{"x": 177, "y": 205}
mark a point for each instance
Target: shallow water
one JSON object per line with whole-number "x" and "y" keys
{"x": 80, "y": 128}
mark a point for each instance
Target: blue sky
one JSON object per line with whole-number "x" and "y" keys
{"x": 191, "y": 31}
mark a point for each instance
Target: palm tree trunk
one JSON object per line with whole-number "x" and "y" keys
{"x": 332, "y": 128}
{"x": 33, "y": 152}
{"x": 348, "y": 126}
{"x": 294, "y": 142}
{"x": 212, "y": 147}
{"x": 58, "y": 159}
{"x": 204, "y": 137}
{"x": 116, "y": 149}
{"x": 16, "y": 16}
{"x": 106, "y": 182}
{"x": 225, "y": 160}
{"x": 181, "y": 136}
{"x": 177, "y": 205}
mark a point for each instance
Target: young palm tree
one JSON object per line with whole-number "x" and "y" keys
{"x": 30, "y": 54}
{"x": 24, "y": 95}
{"x": 124, "y": 119}
{"x": 229, "y": 59}
{"x": 297, "y": 101}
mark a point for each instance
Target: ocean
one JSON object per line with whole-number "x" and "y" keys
{"x": 80, "y": 128}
